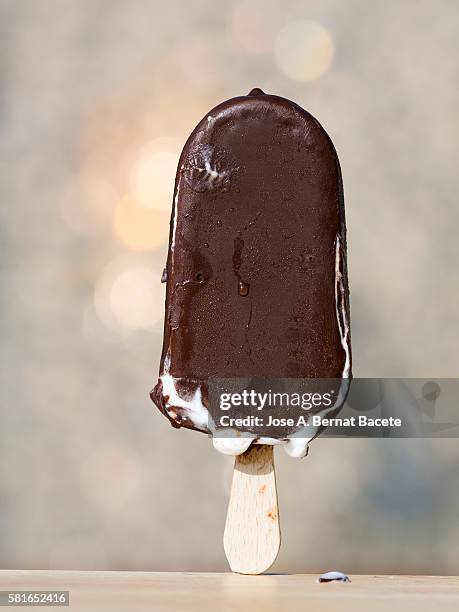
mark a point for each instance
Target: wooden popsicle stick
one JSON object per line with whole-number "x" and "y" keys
{"x": 252, "y": 532}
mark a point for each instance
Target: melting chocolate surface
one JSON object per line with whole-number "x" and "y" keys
{"x": 256, "y": 272}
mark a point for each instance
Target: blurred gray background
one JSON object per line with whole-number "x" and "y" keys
{"x": 97, "y": 97}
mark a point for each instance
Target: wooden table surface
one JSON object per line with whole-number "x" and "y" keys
{"x": 167, "y": 591}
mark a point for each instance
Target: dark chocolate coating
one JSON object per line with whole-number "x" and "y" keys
{"x": 251, "y": 270}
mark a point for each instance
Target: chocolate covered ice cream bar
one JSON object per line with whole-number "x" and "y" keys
{"x": 256, "y": 271}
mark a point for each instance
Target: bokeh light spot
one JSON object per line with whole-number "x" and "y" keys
{"x": 152, "y": 175}
{"x": 128, "y": 296}
{"x": 131, "y": 298}
{"x": 304, "y": 50}
{"x": 140, "y": 228}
